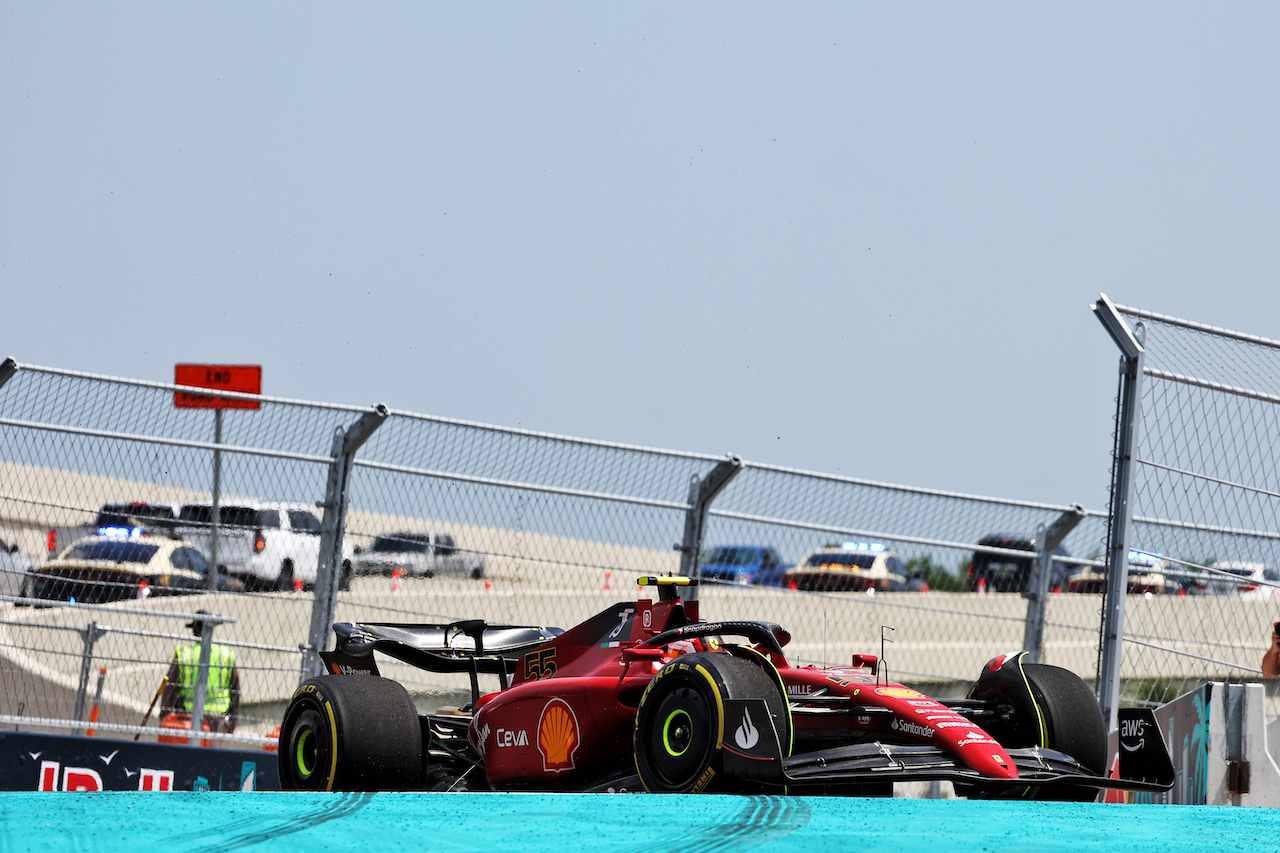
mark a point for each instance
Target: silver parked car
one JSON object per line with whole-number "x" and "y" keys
{"x": 418, "y": 554}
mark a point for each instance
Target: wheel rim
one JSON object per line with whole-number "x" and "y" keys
{"x": 679, "y": 743}
{"x": 306, "y": 753}
{"x": 677, "y": 732}
{"x": 307, "y": 749}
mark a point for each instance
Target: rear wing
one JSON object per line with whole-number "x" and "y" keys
{"x": 472, "y": 646}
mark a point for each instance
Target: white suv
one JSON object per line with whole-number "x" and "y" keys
{"x": 269, "y": 545}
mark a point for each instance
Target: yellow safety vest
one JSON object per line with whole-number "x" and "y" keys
{"x": 217, "y": 696}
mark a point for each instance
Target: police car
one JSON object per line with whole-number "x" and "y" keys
{"x": 1147, "y": 574}
{"x": 849, "y": 566}
{"x": 124, "y": 562}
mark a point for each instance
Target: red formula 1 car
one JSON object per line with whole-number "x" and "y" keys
{"x": 644, "y": 696}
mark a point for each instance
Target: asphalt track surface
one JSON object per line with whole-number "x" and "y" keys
{"x": 441, "y": 823}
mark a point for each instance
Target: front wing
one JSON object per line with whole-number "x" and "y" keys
{"x": 1144, "y": 761}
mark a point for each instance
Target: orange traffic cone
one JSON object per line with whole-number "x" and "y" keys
{"x": 488, "y": 584}
{"x": 395, "y": 579}
{"x": 297, "y": 584}
{"x": 608, "y": 579}
{"x": 982, "y": 586}
{"x": 273, "y": 747}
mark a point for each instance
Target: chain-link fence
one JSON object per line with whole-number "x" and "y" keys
{"x": 1194, "y": 503}
{"x": 361, "y": 513}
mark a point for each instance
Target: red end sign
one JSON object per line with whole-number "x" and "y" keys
{"x": 245, "y": 378}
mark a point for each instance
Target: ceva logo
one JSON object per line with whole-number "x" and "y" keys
{"x": 511, "y": 737}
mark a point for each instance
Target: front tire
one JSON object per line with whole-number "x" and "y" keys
{"x": 350, "y": 733}
{"x": 1073, "y": 724}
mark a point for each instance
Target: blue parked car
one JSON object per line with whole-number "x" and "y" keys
{"x": 743, "y": 564}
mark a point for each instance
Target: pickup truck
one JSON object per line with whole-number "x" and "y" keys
{"x": 113, "y": 516}
{"x": 418, "y": 554}
{"x": 268, "y": 545}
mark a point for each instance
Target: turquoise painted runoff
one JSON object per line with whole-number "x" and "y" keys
{"x": 117, "y": 821}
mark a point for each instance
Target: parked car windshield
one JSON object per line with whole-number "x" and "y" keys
{"x": 734, "y": 556}
{"x": 120, "y": 552}
{"x": 189, "y": 558}
{"x": 300, "y": 519}
{"x": 842, "y": 561}
{"x": 228, "y": 516}
{"x": 125, "y": 515}
{"x": 401, "y": 543}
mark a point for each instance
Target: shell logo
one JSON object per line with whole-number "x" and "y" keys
{"x": 557, "y": 736}
{"x": 899, "y": 692}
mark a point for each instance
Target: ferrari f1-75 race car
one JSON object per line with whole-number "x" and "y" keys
{"x": 644, "y": 696}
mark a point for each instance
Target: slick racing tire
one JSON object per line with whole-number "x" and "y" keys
{"x": 1075, "y": 726}
{"x": 1072, "y": 724}
{"x": 350, "y": 733}
{"x": 681, "y": 719}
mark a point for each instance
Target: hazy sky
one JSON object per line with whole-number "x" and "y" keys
{"x": 856, "y": 238}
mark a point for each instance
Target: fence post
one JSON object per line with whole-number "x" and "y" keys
{"x": 1110, "y": 652}
{"x": 92, "y": 633}
{"x": 1037, "y": 589}
{"x": 215, "y": 509}
{"x": 332, "y": 526}
{"x": 202, "y": 680}
{"x": 702, "y": 491}
{"x": 8, "y": 368}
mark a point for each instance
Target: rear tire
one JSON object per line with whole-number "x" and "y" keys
{"x": 350, "y": 733}
{"x": 680, "y": 718}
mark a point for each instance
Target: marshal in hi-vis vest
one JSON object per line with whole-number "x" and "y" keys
{"x": 217, "y": 697}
